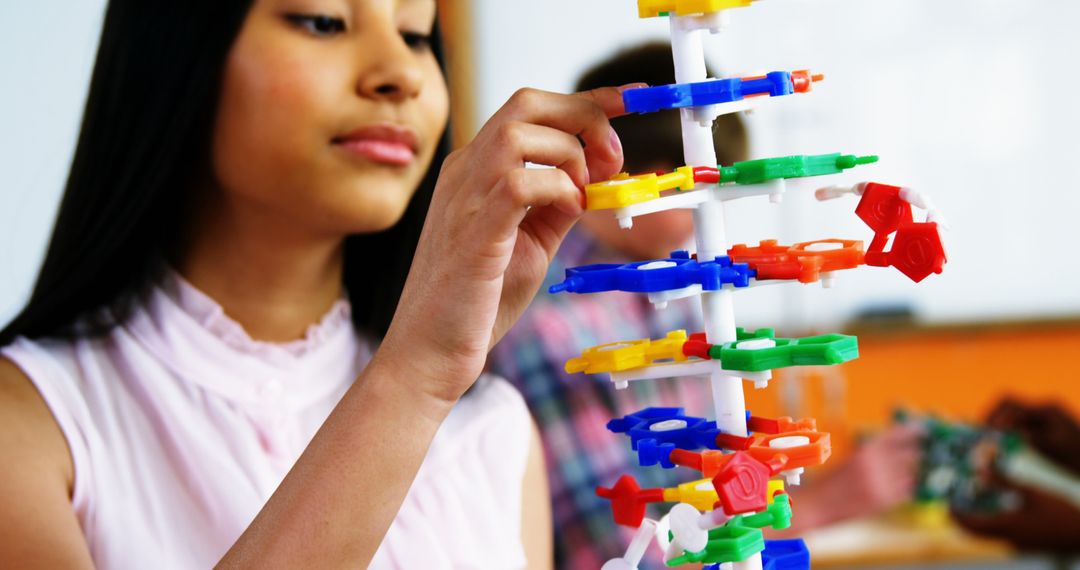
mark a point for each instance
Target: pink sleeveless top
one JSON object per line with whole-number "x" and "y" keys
{"x": 181, "y": 426}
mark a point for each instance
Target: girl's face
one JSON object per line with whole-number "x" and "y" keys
{"x": 330, "y": 113}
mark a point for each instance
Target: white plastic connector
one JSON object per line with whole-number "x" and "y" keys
{"x": 686, "y": 531}
{"x": 636, "y": 551}
{"x": 920, "y": 200}
{"x": 692, "y": 199}
{"x": 622, "y": 379}
{"x": 793, "y": 476}
{"x": 838, "y": 190}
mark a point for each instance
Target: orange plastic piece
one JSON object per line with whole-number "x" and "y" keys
{"x": 789, "y": 425}
{"x": 802, "y": 261}
{"x": 803, "y": 81}
{"x": 708, "y": 462}
{"x": 814, "y": 453}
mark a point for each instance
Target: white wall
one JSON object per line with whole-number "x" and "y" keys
{"x": 969, "y": 100}
{"x": 46, "y": 55}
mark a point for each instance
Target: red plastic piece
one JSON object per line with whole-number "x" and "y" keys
{"x": 763, "y": 425}
{"x": 743, "y": 483}
{"x": 628, "y": 500}
{"x": 917, "y": 250}
{"x": 697, "y": 346}
{"x": 706, "y": 175}
{"x": 882, "y": 208}
{"x": 729, "y": 441}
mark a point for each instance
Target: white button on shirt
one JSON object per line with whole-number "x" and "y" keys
{"x": 180, "y": 428}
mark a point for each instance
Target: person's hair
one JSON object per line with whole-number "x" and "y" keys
{"x": 656, "y": 138}
{"x": 143, "y": 145}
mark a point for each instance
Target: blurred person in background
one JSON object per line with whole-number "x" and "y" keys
{"x": 1043, "y": 520}
{"x": 572, "y": 410}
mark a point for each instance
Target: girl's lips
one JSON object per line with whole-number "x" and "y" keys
{"x": 385, "y": 143}
{"x": 386, "y": 152}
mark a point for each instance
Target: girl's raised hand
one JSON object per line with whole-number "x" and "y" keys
{"x": 494, "y": 226}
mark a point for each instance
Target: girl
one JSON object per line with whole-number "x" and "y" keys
{"x": 211, "y": 368}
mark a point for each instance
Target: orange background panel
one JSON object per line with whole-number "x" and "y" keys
{"x": 957, "y": 372}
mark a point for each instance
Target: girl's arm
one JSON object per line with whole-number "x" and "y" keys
{"x": 38, "y": 528}
{"x": 536, "y": 527}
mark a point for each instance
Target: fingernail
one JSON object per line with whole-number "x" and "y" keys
{"x": 616, "y": 144}
{"x": 622, "y": 88}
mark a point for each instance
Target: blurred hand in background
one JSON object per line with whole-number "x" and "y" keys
{"x": 879, "y": 475}
{"x": 1043, "y": 518}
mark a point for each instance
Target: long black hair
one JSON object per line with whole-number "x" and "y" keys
{"x": 145, "y": 139}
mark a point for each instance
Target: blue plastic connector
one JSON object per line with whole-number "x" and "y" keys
{"x": 703, "y": 93}
{"x": 677, "y": 272}
{"x": 655, "y": 432}
{"x": 790, "y": 554}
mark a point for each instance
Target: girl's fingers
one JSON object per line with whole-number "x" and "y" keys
{"x": 585, "y": 115}
{"x": 523, "y": 189}
{"x": 519, "y": 142}
{"x": 609, "y": 98}
{"x": 549, "y": 225}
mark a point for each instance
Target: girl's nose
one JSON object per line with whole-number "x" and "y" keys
{"x": 394, "y": 71}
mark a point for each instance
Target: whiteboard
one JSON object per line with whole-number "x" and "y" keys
{"x": 971, "y": 101}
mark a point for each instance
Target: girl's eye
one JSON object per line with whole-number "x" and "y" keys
{"x": 317, "y": 25}
{"x": 416, "y": 41}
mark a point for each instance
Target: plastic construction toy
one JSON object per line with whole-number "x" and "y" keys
{"x": 744, "y": 461}
{"x": 717, "y": 91}
{"x": 623, "y": 190}
{"x": 677, "y": 272}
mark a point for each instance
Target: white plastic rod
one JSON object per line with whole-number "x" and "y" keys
{"x": 752, "y": 563}
{"x": 642, "y": 538}
{"x": 729, "y": 404}
{"x": 698, "y": 150}
{"x": 718, "y": 310}
{"x": 689, "y": 54}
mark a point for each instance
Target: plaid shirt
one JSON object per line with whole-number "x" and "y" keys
{"x": 572, "y": 410}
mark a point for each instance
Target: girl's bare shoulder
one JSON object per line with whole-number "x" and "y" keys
{"x": 37, "y": 480}
{"x": 30, "y": 438}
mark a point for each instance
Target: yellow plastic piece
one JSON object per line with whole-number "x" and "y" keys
{"x": 628, "y": 354}
{"x": 700, "y": 494}
{"x": 623, "y": 189}
{"x": 653, "y": 8}
{"x": 775, "y": 485}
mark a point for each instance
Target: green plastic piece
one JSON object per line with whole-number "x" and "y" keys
{"x": 797, "y": 166}
{"x": 729, "y": 543}
{"x": 777, "y": 516}
{"x": 821, "y": 350}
